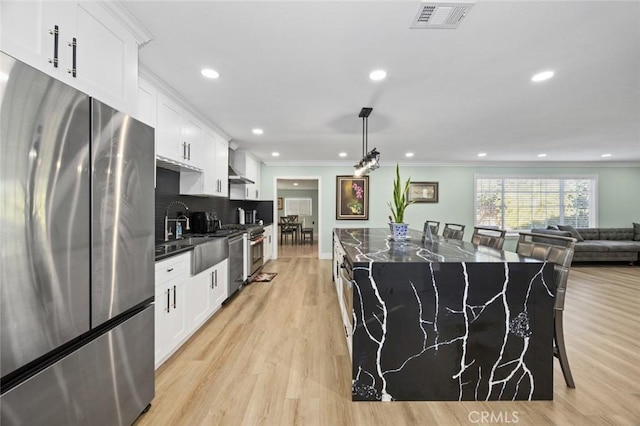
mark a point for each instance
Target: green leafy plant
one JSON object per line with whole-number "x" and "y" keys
{"x": 400, "y": 200}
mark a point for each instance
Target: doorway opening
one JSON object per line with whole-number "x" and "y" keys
{"x": 297, "y": 206}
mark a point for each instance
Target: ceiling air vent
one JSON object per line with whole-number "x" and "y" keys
{"x": 441, "y": 15}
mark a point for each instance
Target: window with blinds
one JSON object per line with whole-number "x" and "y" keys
{"x": 522, "y": 203}
{"x": 299, "y": 206}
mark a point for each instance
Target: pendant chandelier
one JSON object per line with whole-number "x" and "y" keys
{"x": 370, "y": 159}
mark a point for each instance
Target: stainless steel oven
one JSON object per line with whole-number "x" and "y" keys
{"x": 256, "y": 250}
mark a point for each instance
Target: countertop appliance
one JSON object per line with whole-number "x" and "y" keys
{"x": 77, "y": 253}
{"x": 204, "y": 222}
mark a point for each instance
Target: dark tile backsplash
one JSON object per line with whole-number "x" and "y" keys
{"x": 168, "y": 190}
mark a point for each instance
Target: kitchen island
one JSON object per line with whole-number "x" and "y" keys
{"x": 445, "y": 320}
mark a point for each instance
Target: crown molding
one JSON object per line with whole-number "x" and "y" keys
{"x": 131, "y": 23}
{"x": 475, "y": 164}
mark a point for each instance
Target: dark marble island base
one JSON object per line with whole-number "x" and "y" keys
{"x": 471, "y": 324}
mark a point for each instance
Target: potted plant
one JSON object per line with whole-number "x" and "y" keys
{"x": 400, "y": 203}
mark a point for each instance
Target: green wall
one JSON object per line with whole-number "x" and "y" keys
{"x": 618, "y": 193}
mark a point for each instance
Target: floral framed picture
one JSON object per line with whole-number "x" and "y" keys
{"x": 423, "y": 192}
{"x": 352, "y": 198}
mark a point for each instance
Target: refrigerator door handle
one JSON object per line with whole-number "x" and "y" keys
{"x": 55, "y": 34}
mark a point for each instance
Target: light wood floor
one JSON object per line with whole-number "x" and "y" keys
{"x": 276, "y": 356}
{"x": 307, "y": 250}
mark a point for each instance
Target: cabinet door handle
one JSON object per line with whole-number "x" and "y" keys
{"x": 247, "y": 193}
{"x": 168, "y": 300}
{"x": 170, "y": 269}
{"x": 216, "y": 281}
{"x": 55, "y": 33}
{"x": 212, "y": 285}
{"x": 174, "y": 297}
{"x": 73, "y": 71}
{"x": 189, "y": 152}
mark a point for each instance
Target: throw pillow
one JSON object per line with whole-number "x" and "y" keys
{"x": 570, "y": 229}
{"x": 636, "y": 232}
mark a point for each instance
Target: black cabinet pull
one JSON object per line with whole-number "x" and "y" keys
{"x": 170, "y": 269}
{"x": 174, "y": 297}
{"x": 189, "y": 152}
{"x": 168, "y": 300}
{"x": 73, "y": 71}
{"x": 212, "y": 285}
{"x": 55, "y": 33}
{"x": 216, "y": 273}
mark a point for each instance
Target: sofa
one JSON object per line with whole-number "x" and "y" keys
{"x": 601, "y": 244}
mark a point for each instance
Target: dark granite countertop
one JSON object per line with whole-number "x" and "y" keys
{"x": 363, "y": 245}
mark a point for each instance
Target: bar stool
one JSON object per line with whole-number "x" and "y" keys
{"x": 559, "y": 251}
{"x": 435, "y": 227}
{"x": 489, "y": 237}
{"x": 453, "y": 231}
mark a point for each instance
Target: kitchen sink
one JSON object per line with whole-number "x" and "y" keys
{"x": 206, "y": 253}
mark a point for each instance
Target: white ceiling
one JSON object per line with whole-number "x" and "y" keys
{"x": 299, "y": 70}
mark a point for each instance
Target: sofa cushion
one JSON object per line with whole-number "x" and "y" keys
{"x": 636, "y": 231}
{"x": 616, "y": 234}
{"x": 571, "y": 230}
{"x": 623, "y": 245}
{"x": 593, "y": 245}
{"x": 589, "y": 233}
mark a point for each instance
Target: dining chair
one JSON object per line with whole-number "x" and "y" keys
{"x": 306, "y": 232}
{"x": 559, "y": 251}
{"x": 453, "y": 231}
{"x": 286, "y": 229}
{"x": 489, "y": 237}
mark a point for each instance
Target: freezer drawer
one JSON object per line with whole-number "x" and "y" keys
{"x": 109, "y": 381}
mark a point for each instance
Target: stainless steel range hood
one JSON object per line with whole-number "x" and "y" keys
{"x": 237, "y": 178}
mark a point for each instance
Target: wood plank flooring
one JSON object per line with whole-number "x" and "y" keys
{"x": 275, "y": 355}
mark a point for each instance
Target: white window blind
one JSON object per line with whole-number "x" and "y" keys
{"x": 299, "y": 206}
{"x": 519, "y": 203}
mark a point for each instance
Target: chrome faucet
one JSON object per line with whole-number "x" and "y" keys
{"x": 167, "y": 231}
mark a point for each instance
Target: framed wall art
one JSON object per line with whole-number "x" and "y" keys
{"x": 352, "y": 198}
{"x": 280, "y": 203}
{"x": 423, "y": 192}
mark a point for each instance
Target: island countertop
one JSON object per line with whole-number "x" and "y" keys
{"x": 375, "y": 244}
{"x": 445, "y": 320}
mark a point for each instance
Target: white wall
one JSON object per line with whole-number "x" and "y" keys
{"x": 618, "y": 190}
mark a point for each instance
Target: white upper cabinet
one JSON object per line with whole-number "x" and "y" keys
{"x": 178, "y": 134}
{"x": 79, "y": 43}
{"x": 147, "y": 102}
{"x": 213, "y": 180}
{"x": 245, "y": 163}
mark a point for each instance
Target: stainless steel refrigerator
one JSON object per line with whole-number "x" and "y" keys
{"x": 76, "y": 246}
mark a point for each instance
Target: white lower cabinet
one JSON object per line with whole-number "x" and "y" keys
{"x": 183, "y": 303}
{"x": 171, "y": 329}
{"x": 268, "y": 243}
{"x": 205, "y": 294}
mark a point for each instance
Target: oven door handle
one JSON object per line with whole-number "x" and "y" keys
{"x": 258, "y": 240}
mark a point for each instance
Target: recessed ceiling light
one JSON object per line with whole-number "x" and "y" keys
{"x": 606, "y": 155}
{"x": 257, "y": 131}
{"x": 209, "y": 73}
{"x": 377, "y": 75}
{"x": 295, "y": 183}
{"x": 342, "y": 154}
{"x": 275, "y": 154}
{"x": 542, "y": 76}
{"x": 542, "y": 155}
{"x": 482, "y": 154}
{"x": 409, "y": 154}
